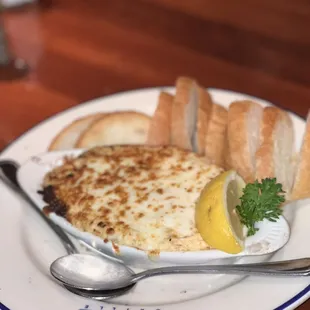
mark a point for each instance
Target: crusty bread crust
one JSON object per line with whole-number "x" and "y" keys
{"x": 68, "y": 136}
{"x": 301, "y": 187}
{"x": 215, "y": 143}
{"x": 265, "y": 165}
{"x": 160, "y": 126}
{"x": 203, "y": 117}
{"x": 274, "y": 155}
{"x": 241, "y": 158}
{"x": 181, "y": 135}
{"x": 127, "y": 127}
{"x": 227, "y": 157}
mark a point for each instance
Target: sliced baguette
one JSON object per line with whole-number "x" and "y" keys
{"x": 215, "y": 143}
{"x": 203, "y": 117}
{"x": 301, "y": 187}
{"x": 227, "y": 157}
{"x": 116, "y": 129}
{"x": 67, "y": 137}
{"x": 184, "y": 113}
{"x": 243, "y": 131}
{"x": 275, "y": 154}
{"x": 160, "y": 126}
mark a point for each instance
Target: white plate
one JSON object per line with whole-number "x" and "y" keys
{"x": 28, "y": 247}
{"x": 271, "y": 235}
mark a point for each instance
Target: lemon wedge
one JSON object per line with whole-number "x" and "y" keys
{"x": 216, "y": 216}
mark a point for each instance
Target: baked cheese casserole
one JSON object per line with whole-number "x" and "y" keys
{"x": 138, "y": 196}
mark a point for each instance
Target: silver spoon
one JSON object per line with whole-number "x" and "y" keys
{"x": 8, "y": 173}
{"x": 89, "y": 272}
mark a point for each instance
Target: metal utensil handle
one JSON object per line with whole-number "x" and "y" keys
{"x": 294, "y": 267}
{"x": 12, "y": 182}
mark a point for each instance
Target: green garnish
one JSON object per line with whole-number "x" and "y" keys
{"x": 260, "y": 201}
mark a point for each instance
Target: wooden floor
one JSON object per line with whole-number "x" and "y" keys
{"x": 78, "y": 50}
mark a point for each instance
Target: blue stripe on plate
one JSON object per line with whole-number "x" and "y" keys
{"x": 3, "y": 307}
{"x": 282, "y": 307}
{"x": 294, "y": 299}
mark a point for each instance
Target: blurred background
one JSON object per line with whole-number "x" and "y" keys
{"x": 58, "y": 53}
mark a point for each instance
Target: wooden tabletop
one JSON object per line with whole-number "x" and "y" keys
{"x": 79, "y": 50}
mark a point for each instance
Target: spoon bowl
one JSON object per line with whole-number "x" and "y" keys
{"x": 100, "y": 295}
{"x": 86, "y": 271}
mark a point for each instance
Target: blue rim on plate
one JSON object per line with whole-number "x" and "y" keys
{"x": 295, "y": 299}
{"x": 3, "y": 307}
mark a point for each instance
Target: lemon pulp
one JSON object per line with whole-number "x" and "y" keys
{"x": 216, "y": 216}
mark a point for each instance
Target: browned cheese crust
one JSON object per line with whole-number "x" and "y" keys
{"x": 138, "y": 196}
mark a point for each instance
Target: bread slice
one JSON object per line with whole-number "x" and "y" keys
{"x": 67, "y": 137}
{"x": 160, "y": 126}
{"x": 215, "y": 142}
{"x": 275, "y": 154}
{"x": 227, "y": 157}
{"x": 301, "y": 187}
{"x": 203, "y": 116}
{"x": 243, "y": 129}
{"x": 184, "y": 113}
{"x": 117, "y": 128}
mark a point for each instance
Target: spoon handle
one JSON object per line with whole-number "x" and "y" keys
{"x": 9, "y": 177}
{"x": 294, "y": 267}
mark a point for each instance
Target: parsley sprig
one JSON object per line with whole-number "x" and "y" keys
{"x": 260, "y": 201}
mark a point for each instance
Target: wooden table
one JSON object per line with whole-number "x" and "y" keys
{"x": 79, "y": 50}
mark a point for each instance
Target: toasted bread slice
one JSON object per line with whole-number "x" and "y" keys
{"x": 243, "y": 129}
{"x": 301, "y": 187}
{"x": 117, "y": 128}
{"x": 275, "y": 153}
{"x": 184, "y": 113}
{"x": 215, "y": 143}
{"x": 227, "y": 157}
{"x": 67, "y": 137}
{"x": 160, "y": 126}
{"x": 203, "y": 117}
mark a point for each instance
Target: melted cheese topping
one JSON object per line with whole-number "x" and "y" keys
{"x": 139, "y": 196}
